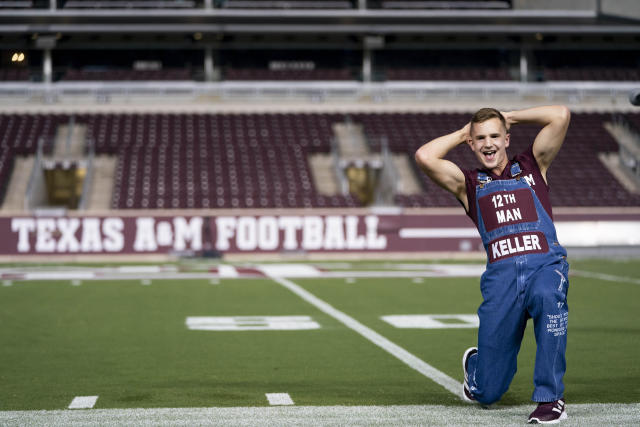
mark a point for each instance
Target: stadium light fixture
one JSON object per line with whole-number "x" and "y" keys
{"x": 17, "y": 57}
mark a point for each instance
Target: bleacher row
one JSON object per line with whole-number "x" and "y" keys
{"x": 334, "y": 74}
{"x": 261, "y": 160}
{"x": 171, "y": 74}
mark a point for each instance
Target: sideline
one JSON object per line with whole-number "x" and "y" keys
{"x": 157, "y": 272}
{"x": 418, "y": 415}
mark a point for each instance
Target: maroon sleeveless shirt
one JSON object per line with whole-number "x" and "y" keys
{"x": 530, "y": 172}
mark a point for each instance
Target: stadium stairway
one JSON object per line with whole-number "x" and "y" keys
{"x": 352, "y": 142}
{"x": 407, "y": 181}
{"x": 323, "y": 171}
{"x": 70, "y": 142}
{"x": 102, "y": 184}
{"x": 615, "y": 163}
{"x": 19, "y": 181}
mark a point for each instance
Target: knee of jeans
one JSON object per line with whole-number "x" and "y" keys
{"x": 490, "y": 392}
{"x": 490, "y": 397}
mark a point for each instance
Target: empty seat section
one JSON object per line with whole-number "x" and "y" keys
{"x": 20, "y": 135}
{"x": 14, "y": 74}
{"x": 592, "y": 74}
{"x": 214, "y": 161}
{"x": 167, "y": 74}
{"x": 252, "y": 74}
{"x": 182, "y": 161}
{"x": 21, "y": 132}
{"x": 260, "y": 160}
{"x": 448, "y": 74}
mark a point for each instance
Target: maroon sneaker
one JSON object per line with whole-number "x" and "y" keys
{"x": 549, "y": 413}
{"x": 466, "y": 393}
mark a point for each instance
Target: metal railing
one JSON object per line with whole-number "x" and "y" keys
{"x": 628, "y": 144}
{"x": 388, "y": 177}
{"x": 338, "y": 171}
{"x": 422, "y": 91}
{"x": 89, "y": 176}
{"x": 33, "y": 196}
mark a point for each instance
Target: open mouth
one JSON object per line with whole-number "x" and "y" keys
{"x": 489, "y": 155}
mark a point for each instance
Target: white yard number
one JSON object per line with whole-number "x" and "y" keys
{"x": 252, "y": 323}
{"x": 433, "y": 321}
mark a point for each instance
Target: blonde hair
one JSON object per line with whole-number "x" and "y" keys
{"x": 484, "y": 114}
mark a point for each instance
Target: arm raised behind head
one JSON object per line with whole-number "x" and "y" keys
{"x": 430, "y": 158}
{"x": 555, "y": 121}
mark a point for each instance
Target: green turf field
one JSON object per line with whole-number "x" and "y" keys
{"x": 128, "y": 343}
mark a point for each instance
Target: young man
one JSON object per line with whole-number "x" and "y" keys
{"x": 527, "y": 273}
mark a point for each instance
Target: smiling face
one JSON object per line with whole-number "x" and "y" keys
{"x": 489, "y": 141}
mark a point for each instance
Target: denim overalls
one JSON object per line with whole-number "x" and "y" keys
{"x": 526, "y": 277}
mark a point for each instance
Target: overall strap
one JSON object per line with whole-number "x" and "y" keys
{"x": 515, "y": 170}
{"x": 483, "y": 178}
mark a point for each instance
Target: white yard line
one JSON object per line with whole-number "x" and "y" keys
{"x": 83, "y": 402}
{"x": 412, "y": 361}
{"x": 279, "y": 399}
{"x": 604, "y": 276}
{"x": 417, "y": 415}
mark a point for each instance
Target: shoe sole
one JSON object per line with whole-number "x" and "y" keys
{"x": 464, "y": 395}
{"x": 563, "y": 416}
{"x": 464, "y": 371}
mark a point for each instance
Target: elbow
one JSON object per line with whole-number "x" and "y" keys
{"x": 564, "y": 113}
{"x": 423, "y": 158}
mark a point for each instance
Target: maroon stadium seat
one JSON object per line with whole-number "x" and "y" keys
{"x": 261, "y": 160}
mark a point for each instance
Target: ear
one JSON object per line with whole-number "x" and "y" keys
{"x": 470, "y": 142}
{"x": 506, "y": 140}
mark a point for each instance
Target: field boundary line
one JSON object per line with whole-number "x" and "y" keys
{"x": 400, "y": 353}
{"x": 604, "y": 276}
{"x": 619, "y": 414}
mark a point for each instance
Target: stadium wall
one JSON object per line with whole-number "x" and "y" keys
{"x": 590, "y": 5}
{"x": 442, "y": 232}
{"x": 623, "y": 8}
{"x": 629, "y": 9}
